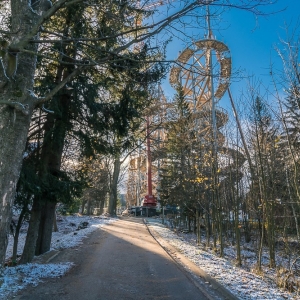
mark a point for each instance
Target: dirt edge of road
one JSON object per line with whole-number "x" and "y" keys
{"x": 190, "y": 268}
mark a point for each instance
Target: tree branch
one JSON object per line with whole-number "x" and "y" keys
{"x": 45, "y": 16}
{"x": 23, "y": 108}
{"x": 59, "y": 86}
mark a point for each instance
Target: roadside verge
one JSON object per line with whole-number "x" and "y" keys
{"x": 189, "y": 267}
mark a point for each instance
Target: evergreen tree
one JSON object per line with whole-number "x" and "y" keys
{"x": 93, "y": 108}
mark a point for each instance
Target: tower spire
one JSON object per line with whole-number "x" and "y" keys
{"x": 210, "y": 34}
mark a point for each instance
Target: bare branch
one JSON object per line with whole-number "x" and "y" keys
{"x": 47, "y": 110}
{"x": 59, "y": 86}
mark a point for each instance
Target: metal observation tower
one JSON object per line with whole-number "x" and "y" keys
{"x": 203, "y": 71}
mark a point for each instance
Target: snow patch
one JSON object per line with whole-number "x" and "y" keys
{"x": 14, "y": 279}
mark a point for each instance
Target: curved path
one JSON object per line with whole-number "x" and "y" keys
{"x": 120, "y": 261}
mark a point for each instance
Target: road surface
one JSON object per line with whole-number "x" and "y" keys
{"x": 120, "y": 261}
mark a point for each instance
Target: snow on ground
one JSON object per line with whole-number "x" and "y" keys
{"x": 13, "y": 279}
{"x": 16, "y": 278}
{"x": 242, "y": 283}
{"x": 67, "y": 236}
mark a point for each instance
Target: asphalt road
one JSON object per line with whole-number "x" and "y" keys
{"x": 120, "y": 261}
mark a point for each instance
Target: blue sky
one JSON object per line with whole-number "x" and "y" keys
{"x": 251, "y": 40}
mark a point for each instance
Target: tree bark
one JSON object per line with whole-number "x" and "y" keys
{"x": 89, "y": 207}
{"x": 113, "y": 196}
{"x": 17, "y": 233}
{"x": 51, "y": 160}
{"x": 12, "y": 143}
{"x": 55, "y": 227}
{"x": 50, "y": 163}
{"x": 16, "y": 106}
{"x": 43, "y": 242}
{"x": 198, "y": 227}
{"x": 32, "y": 233}
{"x": 101, "y": 206}
{"x": 83, "y": 203}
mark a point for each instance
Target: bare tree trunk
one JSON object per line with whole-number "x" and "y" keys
{"x": 198, "y": 227}
{"x": 43, "y": 242}
{"x": 101, "y": 206}
{"x": 83, "y": 202}
{"x": 55, "y": 228}
{"x": 16, "y": 106}
{"x": 214, "y": 224}
{"x": 261, "y": 242}
{"x": 293, "y": 208}
{"x": 13, "y": 133}
{"x": 88, "y": 208}
{"x": 208, "y": 227}
{"x": 17, "y": 233}
{"x": 236, "y": 195}
{"x": 51, "y": 159}
{"x": 32, "y": 233}
{"x": 113, "y": 196}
